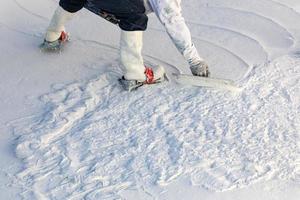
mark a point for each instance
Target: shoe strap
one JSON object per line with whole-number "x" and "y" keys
{"x": 149, "y": 75}
{"x": 63, "y": 36}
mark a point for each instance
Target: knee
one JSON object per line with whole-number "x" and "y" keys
{"x": 170, "y": 15}
{"x": 134, "y": 22}
{"x": 72, "y": 5}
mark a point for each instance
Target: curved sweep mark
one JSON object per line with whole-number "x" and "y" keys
{"x": 227, "y": 30}
{"x": 267, "y": 8}
{"x": 251, "y": 24}
{"x": 209, "y": 52}
{"x": 19, "y": 31}
{"x": 242, "y": 66}
{"x": 224, "y": 49}
{"x": 98, "y": 43}
{"x": 43, "y": 18}
{"x": 235, "y": 41}
{"x": 262, "y": 16}
{"x": 255, "y": 57}
{"x": 288, "y": 4}
{"x": 30, "y": 12}
{"x": 46, "y": 19}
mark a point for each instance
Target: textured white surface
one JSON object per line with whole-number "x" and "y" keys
{"x": 79, "y": 135}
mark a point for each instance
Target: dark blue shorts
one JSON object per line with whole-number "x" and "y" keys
{"x": 130, "y": 14}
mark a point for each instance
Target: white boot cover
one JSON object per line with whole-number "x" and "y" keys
{"x": 57, "y": 23}
{"x": 131, "y": 59}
